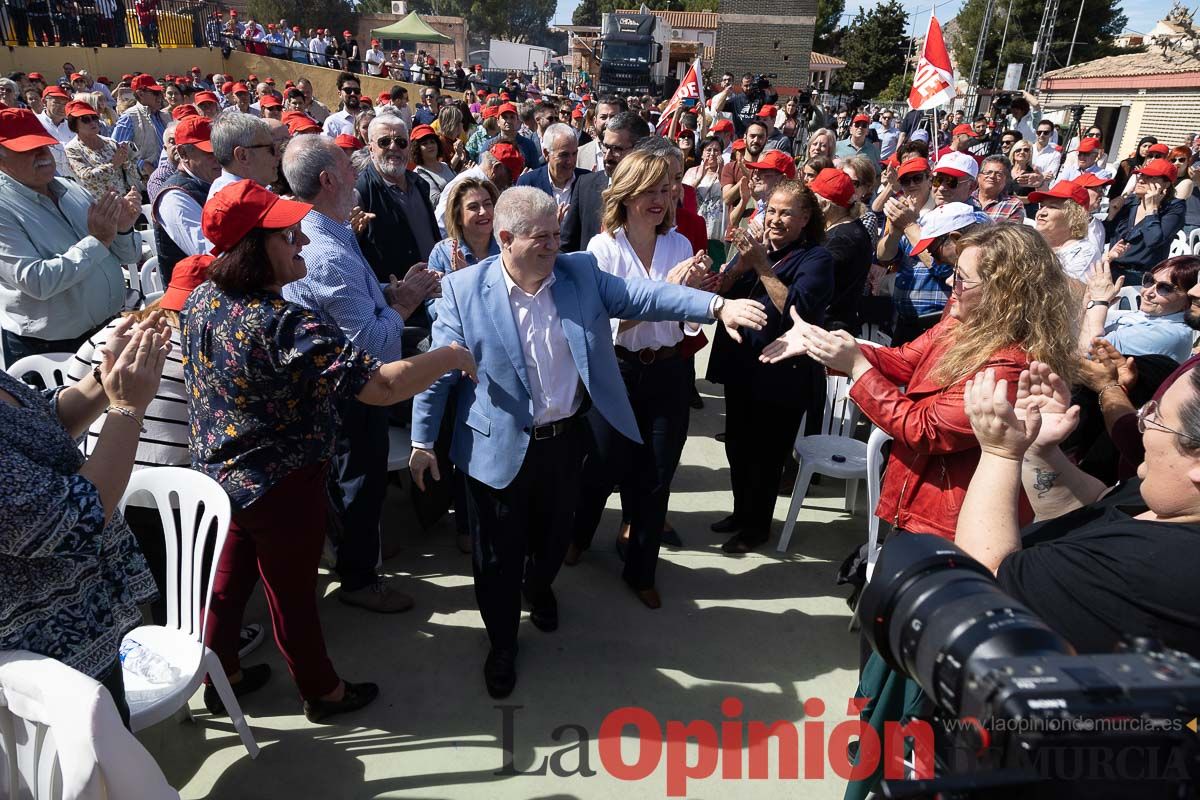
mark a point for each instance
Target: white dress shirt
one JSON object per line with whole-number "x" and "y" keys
{"x": 180, "y": 217}
{"x": 338, "y": 123}
{"x": 1077, "y": 257}
{"x": 63, "y": 133}
{"x": 1046, "y": 159}
{"x": 553, "y": 377}
{"x": 616, "y": 256}
{"x": 374, "y": 60}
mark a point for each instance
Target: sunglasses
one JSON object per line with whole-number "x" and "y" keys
{"x": 348, "y": 90}
{"x": 1161, "y": 288}
{"x": 1180, "y": 160}
{"x": 385, "y": 142}
{"x": 88, "y": 119}
{"x": 913, "y": 180}
{"x": 948, "y": 181}
{"x": 959, "y": 284}
{"x": 290, "y": 235}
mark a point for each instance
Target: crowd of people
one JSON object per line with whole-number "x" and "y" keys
{"x": 533, "y": 271}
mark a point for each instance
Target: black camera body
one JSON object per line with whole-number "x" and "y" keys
{"x": 1016, "y": 706}
{"x": 1001, "y": 104}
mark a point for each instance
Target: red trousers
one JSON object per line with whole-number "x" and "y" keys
{"x": 278, "y": 538}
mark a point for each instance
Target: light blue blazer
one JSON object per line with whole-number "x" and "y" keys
{"x": 493, "y": 420}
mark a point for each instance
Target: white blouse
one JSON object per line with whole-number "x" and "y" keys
{"x": 616, "y": 256}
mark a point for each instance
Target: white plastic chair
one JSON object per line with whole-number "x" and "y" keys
{"x": 399, "y": 448}
{"x": 875, "y": 464}
{"x": 150, "y": 278}
{"x": 201, "y": 502}
{"x": 1130, "y": 298}
{"x": 50, "y": 367}
{"x": 1194, "y": 241}
{"x": 150, "y": 298}
{"x": 62, "y": 739}
{"x": 1180, "y": 246}
{"x": 833, "y": 452}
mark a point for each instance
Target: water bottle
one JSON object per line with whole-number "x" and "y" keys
{"x": 141, "y": 660}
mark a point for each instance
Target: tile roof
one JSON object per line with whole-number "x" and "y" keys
{"x": 820, "y": 59}
{"x": 1152, "y": 62}
{"x": 698, "y": 20}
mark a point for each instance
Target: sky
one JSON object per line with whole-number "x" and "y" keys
{"x": 1142, "y": 13}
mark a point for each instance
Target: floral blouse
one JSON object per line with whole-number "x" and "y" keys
{"x": 95, "y": 171}
{"x": 264, "y": 378}
{"x": 69, "y": 584}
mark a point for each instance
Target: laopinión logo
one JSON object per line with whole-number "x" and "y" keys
{"x": 740, "y": 748}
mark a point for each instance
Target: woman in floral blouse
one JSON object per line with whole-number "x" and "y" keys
{"x": 263, "y": 378}
{"x": 71, "y": 574}
{"x": 100, "y": 164}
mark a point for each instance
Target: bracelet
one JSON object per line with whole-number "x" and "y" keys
{"x": 125, "y": 412}
{"x": 1112, "y": 386}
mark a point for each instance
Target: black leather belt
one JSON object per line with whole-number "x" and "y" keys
{"x": 552, "y": 429}
{"x": 647, "y": 355}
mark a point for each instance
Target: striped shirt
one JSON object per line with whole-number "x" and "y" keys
{"x": 165, "y": 442}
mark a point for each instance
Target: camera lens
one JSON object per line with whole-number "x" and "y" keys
{"x": 930, "y": 610}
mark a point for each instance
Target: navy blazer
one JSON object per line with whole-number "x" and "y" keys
{"x": 585, "y": 217}
{"x": 540, "y": 179}
{"x": 493, "y": 419}
{"x": 1150, "y": 240}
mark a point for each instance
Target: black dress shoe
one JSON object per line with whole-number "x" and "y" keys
{"x": 543, "y": 611}
{"x": 574, "y": 553}
{"x": 727, "y": 525}
{"x": 356, "y": 696}
{"x": 670, "y": 537}
{"x": 253, "y": 679}
{"x": 500, "y": 671}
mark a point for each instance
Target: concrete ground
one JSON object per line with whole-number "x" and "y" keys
{"x": 767, "y": 629}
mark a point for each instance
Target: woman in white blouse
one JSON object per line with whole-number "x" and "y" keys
{"x": 640, "y": 242}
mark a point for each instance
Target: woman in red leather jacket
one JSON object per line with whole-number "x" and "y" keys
{"x": 1011, "y": 304}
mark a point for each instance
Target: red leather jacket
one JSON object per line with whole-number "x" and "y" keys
{"x": 934, "y": 451}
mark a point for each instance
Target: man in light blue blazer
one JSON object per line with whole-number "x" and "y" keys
{"x": 537, "y": 323}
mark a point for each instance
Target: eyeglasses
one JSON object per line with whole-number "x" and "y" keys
{"x": 290, "y": 235}
{"x": 385, "y": 142}
{"x": 948, "y": 181}
{"x": 1147, "y": 417}
{"x": 349, "y": 90}
{"x": 992, "y": 173}
{"x": 88, "y": 120}
{"x": 959, "y": 284}
{"x": 613, "y": 148}
{"x": 261, "y": 146}
{"x": 913, "y": 180}
{"x": 1162, "y": 288}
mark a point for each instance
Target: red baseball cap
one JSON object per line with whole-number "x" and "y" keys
{"x": 1089, "y": 144}
{"x": 205, "y": 97}
{"x": 55, "y": 91}
{"x": 347, "y": 33}
{"x": 188, "y": 273}
{"x": 1090, "y": 180}
{"x": 20, "y": 131}
{"x": 75, "y": 76}
{"x": 964, "y": 128}
{"x": 270, "y": 81}
{"x": 1159, "y": 149}
{"x": 146, "y": 82}
{"x": 226, "y": 87}
{"x": 35, "y": 76}
{"x": 252, "y": 78}
{"x": 1065, "y": 190}
{"x": 183, "y": 111}
{"x": 298, "y": 122}
{"x": 507, "y": 108}
{"x": 911, "y": 166}
{"x": 490, "y": 111}
{"x": 195, "y": 130}
{"x": 384, "y": 97}
{"x": 1158, "y": 168}
{"x": 766, "y": 111}
{"x": 346, "y": 141}
{"x": 739, "y": 144}
{"x": 776, "y": 160}
{"x": 79, "y": 108}
{"x": 238, "y": 88}
{"x": 196, "y": 70}
{"x": 510, "y": 156}
{"x": 241, "y": 207}
{"x": 421, "y": 131}
{"x": 860, "y": 118}
{"x": 835, "y": 186}
{"x": 721, "y": 126}
{"x": 269, "y": 101}
{"x": 374, "y": 41}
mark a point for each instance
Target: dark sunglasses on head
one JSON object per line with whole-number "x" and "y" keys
{"x": 913, "y": 180}
{"x": 1162, "y": 288}
{"x": 385, "y": 142}
{"x": 949, "y": 181}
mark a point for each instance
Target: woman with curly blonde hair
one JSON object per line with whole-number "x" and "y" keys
{"x": 1011, "y": 304}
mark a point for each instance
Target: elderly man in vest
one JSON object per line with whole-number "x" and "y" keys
{"x": 61, "y": 252}
{"x": 177, "y": 209}
{"x": 144, "y": 123}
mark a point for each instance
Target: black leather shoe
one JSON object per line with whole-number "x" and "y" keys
{"x": 670, "y": 537}
{"x": 727, "y": 525}
{"x": 500, "y": 671}
{"x": 253, "y": 679}
{"x": 543, "y": 611}
{"x": 356, "y": 696}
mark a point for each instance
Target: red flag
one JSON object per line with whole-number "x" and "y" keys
{"x": 933, "y": 81}
{"x": 690, "y": 88}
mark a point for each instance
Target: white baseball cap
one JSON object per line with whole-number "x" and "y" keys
{"x": 957, "y": 165}
{"x": 945, "y": 219}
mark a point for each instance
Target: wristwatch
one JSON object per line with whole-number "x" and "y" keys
{"x": 1093, "y": 303}
{"x": 717, "y": 304}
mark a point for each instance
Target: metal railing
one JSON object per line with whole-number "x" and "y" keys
{"x": 104, "y": 23}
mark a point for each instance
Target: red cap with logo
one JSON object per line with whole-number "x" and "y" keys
{"x": 1158, "y": 149}
{"x": 146, "y": 82}
{"x": 835, "y": 186}
{"x": 490, "y": 111}
{"x": 195, "y": 130}
{"x": 510, "y": 156}
{"x": 184, "y": 110}
{"x": 187, "y": 274}
{"x": 776, "y": 160}
{"x": 241, "y": 207}
{"x": 1063, "y": 190}
{"x": 20, "y": 131}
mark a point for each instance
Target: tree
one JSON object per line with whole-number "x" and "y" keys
{"x": 829, "y": 17}
{"x": 586, "y": 13}
{"x": 873, "y": 48}
{"x": 1102, "y": 21}
{"x": 897, "y": 88}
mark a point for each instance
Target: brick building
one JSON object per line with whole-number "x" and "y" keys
{"x": 768, "y": 36}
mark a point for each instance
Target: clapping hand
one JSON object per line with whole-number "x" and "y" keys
{"x": 103, "y": 217}
{"x": 128, "y": 210}
{"x": 736, "y": 314}
{"x": 457, "y": 259}
{"x": 1101, "y": 287}
{"x": 752, "y": 253}
{"x": 1119, "y": 369}
{"x": 994, "y": 420}
{"x": 359, "y": 220}
{"x": 900, "y": 212}
{"x": 1116, "y": 251}
{"x": 1041, "y": 389}
{"x": 131, "y": 379}
{"x": 691, "y": 271}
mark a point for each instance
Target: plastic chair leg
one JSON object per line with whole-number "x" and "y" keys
{"x": 217, "y": 673}
{"x": 798, "y": 493}
{"x": 851, "y": 495}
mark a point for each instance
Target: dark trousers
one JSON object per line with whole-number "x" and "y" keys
{"x": 20, "y": 23}
{"x": 659, "y": 394}
{"x": 362, "y": 485}
{"x": 16, "y": 347}
{"x": 114, "y": 681}
{"x": 759, "y": 434}
{"x": 43, "y": 29}
{"x": 519, "y": 534}
{"x": 279, "y": 538}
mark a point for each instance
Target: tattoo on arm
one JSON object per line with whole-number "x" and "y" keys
{"x": 1044, "y": 480}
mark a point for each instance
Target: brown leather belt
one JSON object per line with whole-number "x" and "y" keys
{"x": 648, "y": 355}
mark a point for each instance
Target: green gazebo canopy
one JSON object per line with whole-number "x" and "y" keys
{"x": 411, "y": 29}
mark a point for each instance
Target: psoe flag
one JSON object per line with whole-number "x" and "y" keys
{"x": 933, "y": 82}
{"x": 690, "y": 88}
